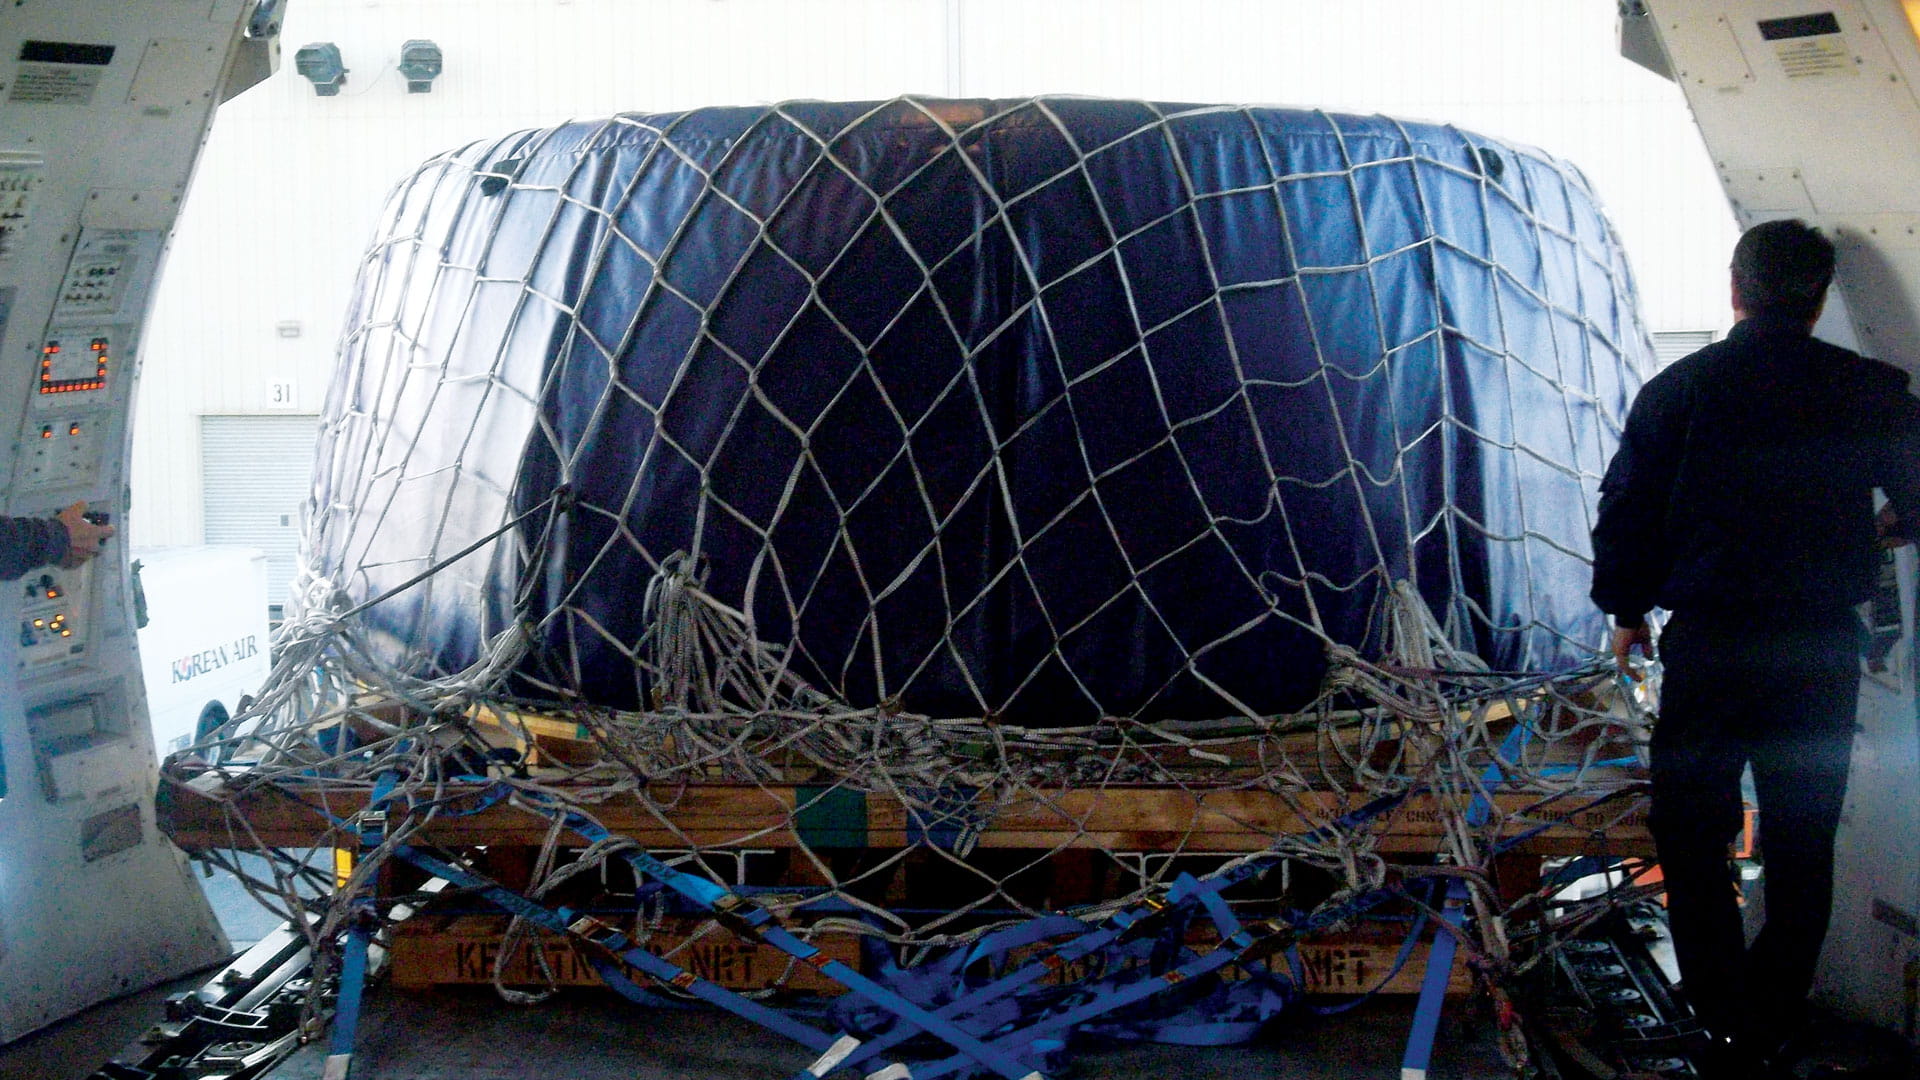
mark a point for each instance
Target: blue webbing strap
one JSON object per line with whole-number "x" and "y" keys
{"x": 1236, "y": 942}
{"x": 1139, "y": 988}
{"x": 737, "y": 914}
{"x": 856, "y": 983}
{"x": 749, "y": 920}
{"x": 1088, "y": 941}
{"x": 615, "y": 977}
{"x": 598, "y": 935}
{"x": 930, "y": 981}
{"x": 1433, "y": 987}
{"x": 371, "y": 832}
{"x": 1132, "y": 986}
{"x": 604, "y": 938}
{"x": 346, "y": 1015}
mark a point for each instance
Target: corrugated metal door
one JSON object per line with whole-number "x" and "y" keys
{"x": 257, "y": 472}
{"x": 1671, "y": 345}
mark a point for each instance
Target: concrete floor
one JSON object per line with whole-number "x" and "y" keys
{"x": 468, "y": 1034}
{"x": 71, "y": 1049}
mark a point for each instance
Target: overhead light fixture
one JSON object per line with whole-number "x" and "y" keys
{"x": 420, "y": 64}
{"x": 321, "y": 65}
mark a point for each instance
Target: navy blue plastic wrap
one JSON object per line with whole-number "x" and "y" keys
{"x": 1039, "y": 410}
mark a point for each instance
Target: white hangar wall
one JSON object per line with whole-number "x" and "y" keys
{"x": 266, "y": 251}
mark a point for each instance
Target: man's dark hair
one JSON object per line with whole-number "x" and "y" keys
{"x": 1782, "y": 268}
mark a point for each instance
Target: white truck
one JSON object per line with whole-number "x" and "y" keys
{"x": 204, "y": 645}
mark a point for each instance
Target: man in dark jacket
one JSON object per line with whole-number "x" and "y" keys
{"x": 67, "y": 539}
{"x": 1741, "y": 501}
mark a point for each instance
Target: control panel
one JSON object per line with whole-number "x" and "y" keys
{"x": 53, "y": 617}
{"x": 59, "y": 453}
{"x": 82, "y": 367}
{"x": 104, "y": 109}
{"x": 75, "y": 362}
{"x": 20, "y": 179}
{"x": 97, "y": 276}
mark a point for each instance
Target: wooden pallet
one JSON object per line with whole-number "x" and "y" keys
{"x": 206, "y": 813}
{"x": 455, "y": 950}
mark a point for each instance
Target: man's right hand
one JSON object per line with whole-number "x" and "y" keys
{"x": 1625, "y": 638}
{"x": 83, "y": 537}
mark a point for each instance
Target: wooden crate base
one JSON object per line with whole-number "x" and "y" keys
{"x": 205, "y": 812}
{"x": 442, "y": 950}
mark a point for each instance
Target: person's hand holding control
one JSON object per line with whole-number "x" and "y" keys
{"x": 85, "y": 537}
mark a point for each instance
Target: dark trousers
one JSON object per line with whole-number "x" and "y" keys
{"x": 1782, "y": 698}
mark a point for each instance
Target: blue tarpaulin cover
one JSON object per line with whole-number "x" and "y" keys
{"x": 1041, "y": 410}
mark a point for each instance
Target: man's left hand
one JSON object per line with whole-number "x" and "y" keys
{"x": 1625, "y": 638}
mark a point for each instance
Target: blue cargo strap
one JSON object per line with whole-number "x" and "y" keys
{"x": 1121, "y": 924}
{"x": 1008, "y": 1055}
{"x": 607, "y": 940}
{"x": 1237, "y": 942}
{"x": 749, "y": 920}
{"x": 1086, "y": 942}
{"x": 601, "y": 938}
{"x": 1433, "y": 986}
{"x": 370, "y": 828}
{"x": 753, "y": 922}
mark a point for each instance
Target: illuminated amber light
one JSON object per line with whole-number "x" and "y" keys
{"x": 1913, "y": 15}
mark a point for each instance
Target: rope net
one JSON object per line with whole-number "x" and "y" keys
{"x": 933, "y": 478}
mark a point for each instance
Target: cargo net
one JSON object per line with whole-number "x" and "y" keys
{"x": 978, "y": 890}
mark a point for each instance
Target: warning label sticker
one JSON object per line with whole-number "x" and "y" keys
{"x": 1808, "y": 57}
{"x": 54, "y": 84}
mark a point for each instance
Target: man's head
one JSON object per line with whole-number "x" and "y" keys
{"x": 1781, "y": 269}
